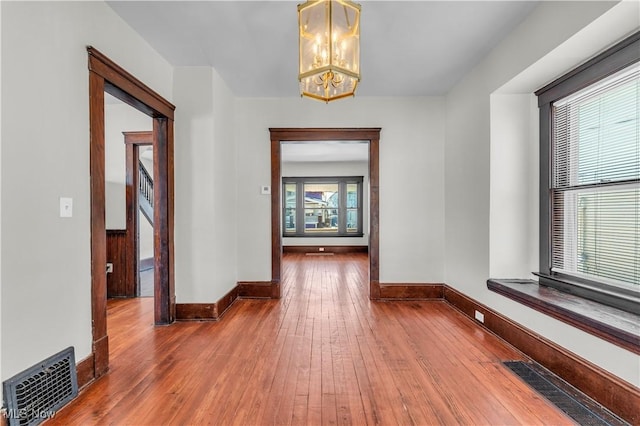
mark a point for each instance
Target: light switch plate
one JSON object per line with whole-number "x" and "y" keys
{"x": 66, "y": 207}
{"x": 265, "y": 190}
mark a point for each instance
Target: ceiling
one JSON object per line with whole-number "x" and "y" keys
{"x": 324, "y": 151}
{"x": 408, "y": 48}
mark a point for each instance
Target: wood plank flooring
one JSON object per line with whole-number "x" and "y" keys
{"x": 323, "y": 354}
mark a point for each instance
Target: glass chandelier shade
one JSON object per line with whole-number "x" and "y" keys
{"x": 329, "y": 49}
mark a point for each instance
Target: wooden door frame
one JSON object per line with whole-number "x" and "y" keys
{"x": 369, "y": 135}
{"x": 133, "y": 141}
{"x": 106, "y": 76}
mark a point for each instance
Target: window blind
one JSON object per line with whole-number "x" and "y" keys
{"x": 595, "y": 194}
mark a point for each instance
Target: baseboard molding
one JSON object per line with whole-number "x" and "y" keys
{"x": 206, "y": 311}
{"x": 617, "y": 395}
{"x": 327, "y": 249}
{"x": 397, "y": 291}
{"x": 255, "y": 289}
{"x": 196, "y": 312}
{"x": 146, "y": 264}
{"x": 101, "y": 356}
{"x": 85, "y": 371}
{"x": 214, "y": 311}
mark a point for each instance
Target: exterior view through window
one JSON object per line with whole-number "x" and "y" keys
{"x": 595, "y": 193}
{"x": 327, "y": 206}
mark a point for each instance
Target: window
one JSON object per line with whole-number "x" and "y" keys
{"x": 322, "y": 206}
{"x": 590, "y": 193}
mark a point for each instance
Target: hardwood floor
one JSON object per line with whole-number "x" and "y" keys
{"x": 323, "y": 354}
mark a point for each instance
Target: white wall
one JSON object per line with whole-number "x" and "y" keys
{"x": 513, "y": 243}
{"x": 342, "y": 168}
{"x": 205, "y": 187}
{"x": 119, "y": 118}
{"x": 145, "y": 248}
{"x": 489, "y": 223}
{"x": 411, "y": 176}
{"x": 46, "y": 279}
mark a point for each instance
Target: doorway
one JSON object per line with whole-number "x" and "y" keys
{"x": 105, "y": 76}
{"x": 139, "y": 206}
{"x": 301, "y": 135}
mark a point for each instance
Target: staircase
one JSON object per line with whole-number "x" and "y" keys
{"x": 145, "y": 192}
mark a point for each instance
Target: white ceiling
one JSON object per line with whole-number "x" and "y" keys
{"x": 408, "y": 48}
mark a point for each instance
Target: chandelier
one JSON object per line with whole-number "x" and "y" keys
{"x": 329, "y": 49}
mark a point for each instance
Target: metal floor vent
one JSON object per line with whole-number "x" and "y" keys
{"x": 571, "y": 401}
{"x": 35, "y": 394}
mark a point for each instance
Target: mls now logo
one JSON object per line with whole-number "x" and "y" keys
{"x": 23, "y": 413}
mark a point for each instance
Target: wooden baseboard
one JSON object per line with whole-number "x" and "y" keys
{"x": 85, "y": 371}
{"x": 196, "y": 312}
{"x": 327, "y": 249}
{"x": 398, "y": 291}
{"x": 612, "y": 392}
{"x": 206, "y": 311}
{"x": 214, "y": 311}
{"x": 101, "y": 356}
{"x": 255, "y": 289}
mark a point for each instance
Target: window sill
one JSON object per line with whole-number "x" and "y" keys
{"x": 610, "y": 324}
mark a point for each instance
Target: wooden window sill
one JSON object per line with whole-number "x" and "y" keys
{"x": 610, "y": 324}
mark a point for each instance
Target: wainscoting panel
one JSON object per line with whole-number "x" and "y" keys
{"x": 117, "y": 283}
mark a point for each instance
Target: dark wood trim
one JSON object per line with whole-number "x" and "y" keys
{"x": 370, "y": 135}
{"x": 255, "y": 289}
{"x": 610, "y": 324}
{"x": 227, "y": 300}
{"x": 143, "y": 137}
{"x": 207, "y": 311}
{"x": 119, "y": 282}
{"x": 98, "y": 226}
{"x": 196, "y": 312}
{"x": 140, "y": 96}
{"x": 85, "y": 371}
{"x": 398, "y": 291}
{"x": 162, "y": 227}
{"x": 276, "y": 220}
{"x": 606, "y": 63}
{"x": 133, "y": 140}
{"x": 131, "y": 196}
{"x": 105, "y": 75}
{"x": 374, "y": 215}
{"x": 327, "y": 249}
{"x": 614, "y": 393}
{"x": 101, "y": 356}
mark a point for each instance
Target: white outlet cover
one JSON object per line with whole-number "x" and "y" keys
{"x": 66, "y": 207}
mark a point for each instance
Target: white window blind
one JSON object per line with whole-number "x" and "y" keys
{"x": 595, "y": 191}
